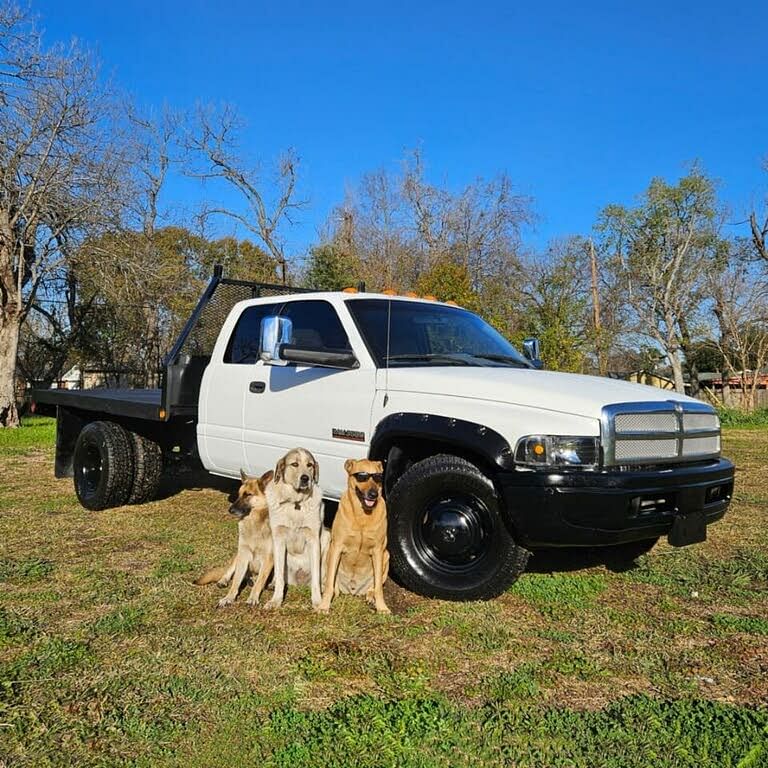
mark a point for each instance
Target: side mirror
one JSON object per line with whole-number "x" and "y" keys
{"x": 532, "y": 352}
{"x": 275, "y": 331}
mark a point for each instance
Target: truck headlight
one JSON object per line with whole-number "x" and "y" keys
{"x": 558, "y": 451}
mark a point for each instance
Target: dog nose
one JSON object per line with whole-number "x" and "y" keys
{"x": 372, "y": 494}
{"x": 304, "y": 479}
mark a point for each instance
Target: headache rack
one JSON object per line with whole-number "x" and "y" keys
{"x": 635, "y": 435}
{"x": 184, "y": 365}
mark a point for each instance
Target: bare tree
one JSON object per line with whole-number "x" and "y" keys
{"x": 58, "y": 171}
{"x": 741, "y": 307}
{"x": 759, "y": 230}
{"x": 213, "y": 145}
{"x": 404, "y": 230}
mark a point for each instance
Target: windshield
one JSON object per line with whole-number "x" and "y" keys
{"x": 430, "y": 334}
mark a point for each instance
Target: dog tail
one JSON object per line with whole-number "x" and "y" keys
{"x": 210, "y": 576}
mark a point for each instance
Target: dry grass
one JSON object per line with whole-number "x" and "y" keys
{"x": 108, "y": 654}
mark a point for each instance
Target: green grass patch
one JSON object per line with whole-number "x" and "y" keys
{"x": 15, "y": 626}
{"x": 178, "y": 561}
{"x": 121, "y": 621}
{"x": 35, "y": 432}
{"x": 33, "y": 569}
{"x": 521, "y": 684}
{"x": 742, "y": 575}
{"x": 370, "y": 732}
{"x": 750, "y": 625}
{"x": 557, "y": 594}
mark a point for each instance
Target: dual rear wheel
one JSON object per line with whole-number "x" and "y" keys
{"x": 114, "y": 466}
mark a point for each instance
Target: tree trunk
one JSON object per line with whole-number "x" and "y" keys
{"x": 677, "y": 371}
{"x": 9, "y": 344}
{"x": 689, "y": 356}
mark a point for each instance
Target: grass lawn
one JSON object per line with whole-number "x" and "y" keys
{"x": 109, "y": 656}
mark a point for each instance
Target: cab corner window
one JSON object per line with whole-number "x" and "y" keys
{"x": 315, "y": 325}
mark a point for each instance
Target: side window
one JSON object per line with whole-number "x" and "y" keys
{"x": 315, "y": 325}
{"x": 243, "y": 347}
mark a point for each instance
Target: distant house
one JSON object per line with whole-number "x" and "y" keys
{"x": 651, "y": 379}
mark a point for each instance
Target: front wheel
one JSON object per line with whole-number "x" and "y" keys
{"x": 446, "y": 536}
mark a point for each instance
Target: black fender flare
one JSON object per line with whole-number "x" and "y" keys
{"x": 472, "y": 437}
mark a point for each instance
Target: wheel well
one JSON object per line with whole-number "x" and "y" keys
{"x": 401, "y": 452}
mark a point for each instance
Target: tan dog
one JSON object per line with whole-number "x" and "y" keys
{"x": 358, "y": 561}
{"x": 296, "y": 517}
{"x": 254, "y": 542}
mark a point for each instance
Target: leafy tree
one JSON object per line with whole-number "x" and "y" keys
{"x": 448, "y": 280}
{"x": 659, "y": 251}
{"x": 330, "y": 268}
{"x": 555, "y": 301}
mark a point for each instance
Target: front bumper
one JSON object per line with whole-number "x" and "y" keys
{"x": 573, "y": 509}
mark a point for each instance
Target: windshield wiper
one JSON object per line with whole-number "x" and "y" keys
{"x": 431, "y": 357}
{"x": 513, "y": 361}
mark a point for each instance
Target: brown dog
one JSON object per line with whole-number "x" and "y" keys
{"x": 358, "y": 561}
{"x": 254, "y": 542}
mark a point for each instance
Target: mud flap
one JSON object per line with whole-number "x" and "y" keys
{"x": 690, "y": 523}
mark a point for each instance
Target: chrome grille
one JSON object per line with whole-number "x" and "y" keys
{"x": 646, "y": 422}
{"x": 659, "y": 433}
{"x": 644, "y": 450}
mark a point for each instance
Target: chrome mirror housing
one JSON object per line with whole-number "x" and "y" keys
{"x": 275, "y": 331}
{"x": 532, "y": 352}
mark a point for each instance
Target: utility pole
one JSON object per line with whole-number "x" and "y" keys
{"x": 596, "y": 321}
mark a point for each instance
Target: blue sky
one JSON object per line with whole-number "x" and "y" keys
{"x": 581, "y": 104}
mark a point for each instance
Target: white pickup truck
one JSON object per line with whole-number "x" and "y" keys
{"x": 487, "y": 456}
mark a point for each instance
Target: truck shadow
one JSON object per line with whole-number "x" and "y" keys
{"x": 568, "y": 559}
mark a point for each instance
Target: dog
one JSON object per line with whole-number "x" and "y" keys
{"x": 295, "y": 504}
{"x": 254, "y": 542}
{"x": 358, "y": 560}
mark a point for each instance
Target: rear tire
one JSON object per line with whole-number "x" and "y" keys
{"x": 148, "y": 469}
{"x": 103, "y": 465}
{"x": 447, "y": 538}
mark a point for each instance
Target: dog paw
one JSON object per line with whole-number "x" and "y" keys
{"x": 221, "y": 583}
{"x": 225, "y": 601}
{"x": 272, "y": 605}
{"x": 383, "y": 609}
{"x": 252, "y": 601}
{"x": 322, "y": 608}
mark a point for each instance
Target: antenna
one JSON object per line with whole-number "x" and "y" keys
{"x": 386, "y": 356}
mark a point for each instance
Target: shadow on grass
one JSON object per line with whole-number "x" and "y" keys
{"x": 569, "y": 559}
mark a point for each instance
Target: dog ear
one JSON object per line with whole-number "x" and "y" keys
{"x": 316, "y": 467}
{"x": 265, "y": 479}
{"x": 348, "y": 465}
{"x": 280, "y": 470}
{"x": 380, "y": 465}
{"x": 243, "y": 475}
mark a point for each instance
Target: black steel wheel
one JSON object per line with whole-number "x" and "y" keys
{"x": 446, "y": 536}
{"x": 103, "y": 465}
